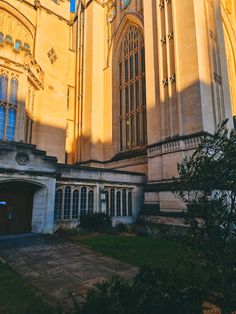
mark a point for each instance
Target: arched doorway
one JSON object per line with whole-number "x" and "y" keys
{"x": 16, "y": 205}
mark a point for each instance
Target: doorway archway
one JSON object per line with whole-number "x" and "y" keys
{"x": 16, "y": 207}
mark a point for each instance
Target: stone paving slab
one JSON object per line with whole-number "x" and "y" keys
{"x": 59, "y": 269}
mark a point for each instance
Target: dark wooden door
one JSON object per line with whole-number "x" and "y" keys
{"x": 16, "y": 208}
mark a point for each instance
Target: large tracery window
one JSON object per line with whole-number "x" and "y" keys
{"x": 132, "y": 90}
{"x": 8, "y": 107}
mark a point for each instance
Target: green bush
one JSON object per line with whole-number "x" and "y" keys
{"x": 150, "y": 292}
{"x": 121, "y": 227}
{"x": 96, "y": 222}
{"x": 66, "y": 233}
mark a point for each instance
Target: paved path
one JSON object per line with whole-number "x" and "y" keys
{"x": 57, "y": 267}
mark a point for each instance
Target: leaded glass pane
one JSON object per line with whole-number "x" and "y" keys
{"x": 3, "y": 87}
{"x": 132, "y": 87}
{"x": 58, "y": 204}
{"x": 124, "y": 206}
{"x": 67, "y": 202}
{"x": 2, "y": 121}
{"x": 90, "y": 202}
{"x": 13, "y": 92}
{"x": 130, "y": 204}
{"x": 75, "y": 208}
{"x": 118, "y": 207}
{"x": 112, "y": 202}
{"x": 83, "y": 201}
{"x": 11, "y": 124}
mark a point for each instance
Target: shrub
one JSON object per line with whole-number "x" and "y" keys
{"x": 150, "y": 292}
{"x": 63, "y": 232}
{"x": 96, "y": 222}
{"x": 121, "y": 227}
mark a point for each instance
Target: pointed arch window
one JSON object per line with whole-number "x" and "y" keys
{"x": 3, "y": 87}
{"x": 118, "y": 207}
{"x": 58, "y": 204}
{"x": 132, "y": 90}
{"x": 83, "y": 201}
{"x": 124, "y": 205}
{"x": 13, "y": 91}
{"x": 67, "y": 202}
{"x": 130, "y": 205}
{"x": 8, "y": 108}
{"x": 90, "y": 201}
{"x": 112, "y": 202}
{"x": 75, "y": 209}
{"x": 1, "y": 38}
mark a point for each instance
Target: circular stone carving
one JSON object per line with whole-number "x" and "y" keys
{"x": 22, "y": 159}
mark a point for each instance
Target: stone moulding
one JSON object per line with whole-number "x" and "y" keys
{"x": 174, "y": 146}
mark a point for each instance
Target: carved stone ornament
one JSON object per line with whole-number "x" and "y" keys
{"x": 111, "y": 13}
{"x": 37, "y": 4}
{"x": 22, "y": 159}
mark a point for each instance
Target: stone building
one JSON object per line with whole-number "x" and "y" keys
{"x": 98, "y": 103}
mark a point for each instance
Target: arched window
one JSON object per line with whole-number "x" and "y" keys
{"x": 124, "y": 206}
{"x": 17, "y": 45}
{"x": 130, "y": 205}
{"x": 132, "y": 90}
{"x": 8, "y": 39}
{"x": 11, "y": 124}
{"x": 112, "y": 202}
{"x": 2, "y": 121}
{"x": 13, "y": 91}
{"x": 3, "y": 99}
{"x": 8, "y": 108}
{"x": 118, "y": 212}
{"x": 67, "y": 202}
{"x": 75, "y": 209}
{"x": 58, "y": 204}
{"x": 107, "y": 203}
{"x": 26, "y": 46}
{"x": 3, "y": 87}
{"x": 90, "y": 202}
{"x": 83, "y": 201}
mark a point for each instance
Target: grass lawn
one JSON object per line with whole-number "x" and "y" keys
{"x": 136, "y": 250}
{"x": 16, "y": 297}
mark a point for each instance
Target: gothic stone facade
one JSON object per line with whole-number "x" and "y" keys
{"x": 97, "y": 107}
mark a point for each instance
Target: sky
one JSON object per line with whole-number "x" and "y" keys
{"x": 72, "y": 6}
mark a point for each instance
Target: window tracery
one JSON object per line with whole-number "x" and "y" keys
{"x": 72, "y": 201}
{"x": 8, "y": 107}
{"x": 132, "y": 90}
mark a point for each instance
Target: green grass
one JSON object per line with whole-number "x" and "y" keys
{"x": 137, "y": 250}
{"x": 16, "y": 297}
